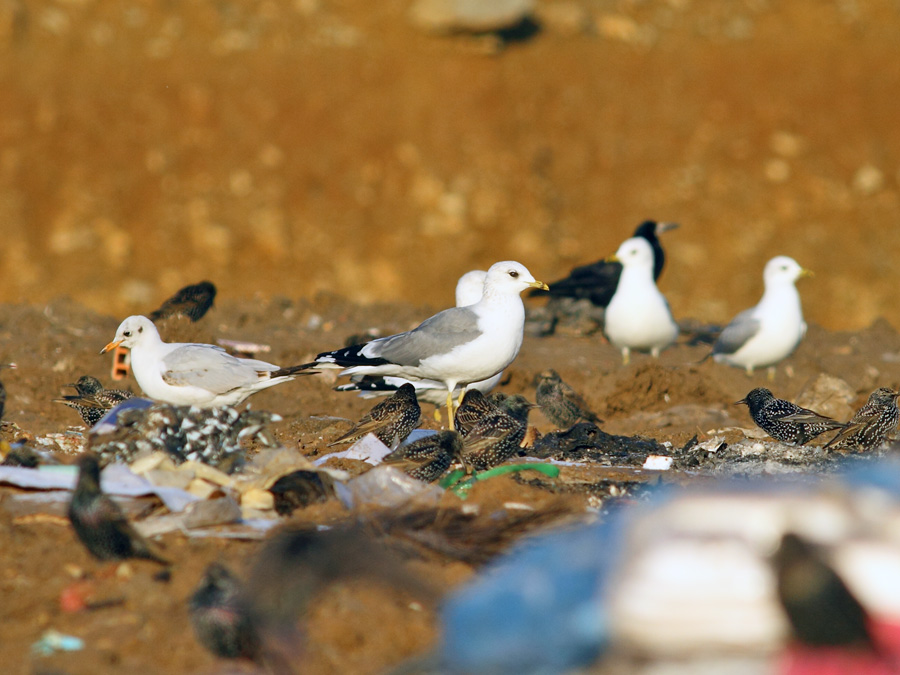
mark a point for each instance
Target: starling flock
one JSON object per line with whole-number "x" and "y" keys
{"x": 787, "y": 422}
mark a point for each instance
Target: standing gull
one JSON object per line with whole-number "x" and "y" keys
{"x": 871, "y": 424}
{"x": 638, "y": 316}
{"x": 785, "y": 421}
{"x": 597, "y": 282}
{"x": 457, "y": 346}
{"x": 202, "y": 375}
{"x": 468, "y": 291}
{"x": 767, "y": 333}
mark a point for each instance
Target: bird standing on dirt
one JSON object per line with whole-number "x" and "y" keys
{"x": 870, "y": 425}
{"x": 99, "y": 522}
{"x": 474, "y": 407}
{"x": 191, "y": 301}
{"x": 597, "y": 282}
{"x": 469, "y": 289}
{"x": 498, "y": 435}
{"x": 391, "y": 421}
{"x": 91, "y": 400}
{"x": 202, "y": 375}
{"x": 458, "y": 346}
{"x": 763, "y": 335}
{"x": 221, "y": 617}
{"x": 638, "y": 316}
{"x": 427, "y": 458}
{"x": 785, "y": 421}
{"x": 561, "y": 404}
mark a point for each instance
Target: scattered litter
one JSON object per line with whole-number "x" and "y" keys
{"x": 387, "y": 487}
{"x": 368, "y": 449}
{"x": 658, "y": 463}
{"x": 53, "y": 641}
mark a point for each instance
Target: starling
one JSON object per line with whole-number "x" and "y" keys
{"x": 597, "y": 282}
{"x": 785, "y": 421}
{"x": 92, "y": 401}
{"x": 19, "y": 455}
{"x": 391, "y": 421}
{"x": 221, "y": 617}
{"x": 99, "y": 522}
{"x": 560, "y": 403}
{"x": 191, "y": 301}
{"x": 473, "y": 408}
{"x": 299, "y": 489}
{"x": 871, "y": 424}
{"x": 497, "y": 436}
{"x": 427, "y": 458}
{"x": 821, "y": 609}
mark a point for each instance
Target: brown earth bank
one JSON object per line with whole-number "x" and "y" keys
{"x": 354, "y": 625}
{"x": 288, "y": 148}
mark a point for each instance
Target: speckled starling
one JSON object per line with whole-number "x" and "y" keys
{"x": 391, "y": 421}
{"x": 785, "y": 421}
{"x": 821, "y": 609}
{"x": 92, "y": 401}
{"x": 473, "y": 408}
{"x": 560, "y": 403}
{"x": 221, "y": 617}
{"x": 871, "y": 424}
{"x": 191, "y": 301}
{"x": 497, "y": 436}
{"x": 99, "y": 522}
{"x": 427, "y": 458}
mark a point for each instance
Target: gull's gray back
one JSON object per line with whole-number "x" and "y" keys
{"x": 436, "y": 335}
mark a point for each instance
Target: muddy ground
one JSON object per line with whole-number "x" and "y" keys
{"x": 334, "y": 169}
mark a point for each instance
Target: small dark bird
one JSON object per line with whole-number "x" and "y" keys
{"x": 560, "y": 403}
{"x": 473, "y": 408}
{"x": 497, "y": 436}
{"x": 299, "y": 489}
{"x": 191, "y": 301}
{"x": 99, "y": 522}
{"x": 92, "y": 401}
{"x": 221, "y": 617}
{"x": 391, "y": 421}
{"x": 597, "y": 282}
{"x": 427, "y": 458}
{"x": 871, "y": 424}
{"x": 821, "y": 609}
{"x": 19, "y": 455}
{"x": 785, "y": 421}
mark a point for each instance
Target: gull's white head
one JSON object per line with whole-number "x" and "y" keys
{"x": 131, "y": 332}
{"x": 635, "y": 253}
{"x": 470, "y": 287}
{"x": 782, "y": 270}
{"x": 509, "y": 277}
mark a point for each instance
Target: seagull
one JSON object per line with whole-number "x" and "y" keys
{"x": 638, "y": 316}
{"x": 764, "y": 335}
{"x": 468, "y": 292}
{"x": 456, "y": 347}
{"x": 597, "y": 282}
{"x": 195, "y": 374}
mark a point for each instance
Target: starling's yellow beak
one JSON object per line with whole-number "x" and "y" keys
{"x": 112, "y": 345}
{"x": 539, "y": 284}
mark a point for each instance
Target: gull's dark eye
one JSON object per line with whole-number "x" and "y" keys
{"x": 514, "y": 274}
{"x": 127, "y": 333}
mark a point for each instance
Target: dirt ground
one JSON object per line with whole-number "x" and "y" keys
{"x": 334, "y": 169}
